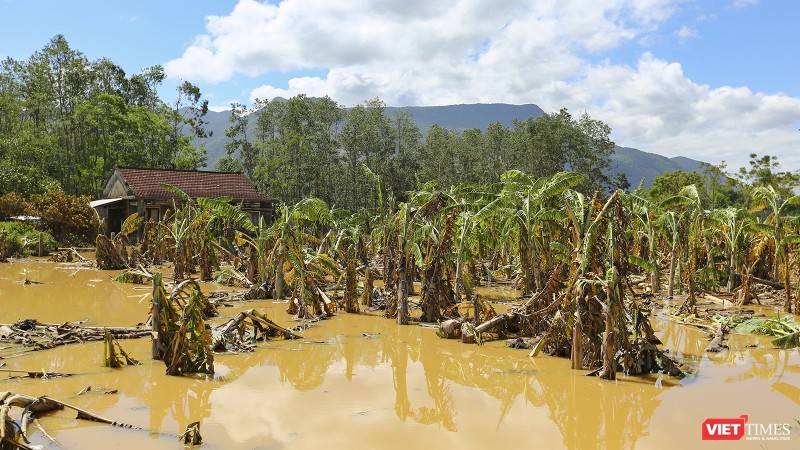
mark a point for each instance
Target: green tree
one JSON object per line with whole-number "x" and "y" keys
{"x": 554, "y": 142}
{"x": 765, "y": 171}
{"x": 670, "y": 184}
{"x": 367, "y": 137}
{"x": 240, "y": 146}
{"x": 187, "y": 119}
{"x": 404, "y": 164}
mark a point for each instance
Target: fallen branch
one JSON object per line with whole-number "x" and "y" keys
{"x": 716, "y": 345}
{"x": 38, "y": 336}
{"x": 82, "y": 413}
{"x": 37, "y": 374}
{"x": 770, "y": 283}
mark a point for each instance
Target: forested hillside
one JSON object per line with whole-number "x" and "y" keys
{"x": 358, "y": 157}
{"x": 634, "y": 164}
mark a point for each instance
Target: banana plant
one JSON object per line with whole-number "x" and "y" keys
{"x": 669, "y": 225}
{"x": 289, "y": 235}
{"x": 732, "y": 224}
{"x": 258, "y": 244}
{"x": 693, "y": 215}
{"x": 644, "y": 225}
{"x": 523, "y": 206}
{"x": 766, "y": 197}
{"x": 113, "y": 253}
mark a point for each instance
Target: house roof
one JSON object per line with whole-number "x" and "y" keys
{"x": 149, "y": 183}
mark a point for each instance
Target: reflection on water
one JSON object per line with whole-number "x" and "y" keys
{"x": 360, "y": 381}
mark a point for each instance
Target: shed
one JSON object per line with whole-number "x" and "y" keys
{"x": 132, "y": 189}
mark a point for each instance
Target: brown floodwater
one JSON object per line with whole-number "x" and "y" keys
{"x": 361, "y": 381}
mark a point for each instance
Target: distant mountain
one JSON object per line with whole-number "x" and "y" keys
{"x": 465, "y": 117}
{"x": 638, "y": 165}
{"x": 218, "y": 123}
{"x": 634, "y": 163}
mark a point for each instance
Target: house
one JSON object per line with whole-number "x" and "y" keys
{"x": 131, "y": 190}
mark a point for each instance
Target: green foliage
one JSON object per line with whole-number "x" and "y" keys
{"x": 364, "y": 158}
{"x": 22, "y": 239}
{"x": 786, "y": 328}
{"x": 670, "y": 184}
{"x": 66, "y": 121}
{"x": 765, "y": 171}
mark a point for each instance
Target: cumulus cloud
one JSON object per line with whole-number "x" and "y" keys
{"x": 655, "y": 107}
{"x": 420, "y": 52}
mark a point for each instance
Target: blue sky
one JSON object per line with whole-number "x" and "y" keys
{"x": 710, "y": 79}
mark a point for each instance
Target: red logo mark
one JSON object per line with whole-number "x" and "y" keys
{"x": 724, "y": 429}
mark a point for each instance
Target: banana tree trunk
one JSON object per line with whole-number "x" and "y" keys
{"x": 402, "y": 288}
{"x": 476, "y": 305}
{"x": 280, "y": 283}
{"x": 528, "y": 284}
{"x": 577, "y": 336}
{"x": 691, "y": 300}
{"x": 732, "y": 271}
{"x": 350, "y": 302}
{"x": 655, "y": 275}
{"x": 608, "y": 348}
{"x": 787, "y": 306}
{"x": 366, "y": 294}
{"x": 672, "y": 262}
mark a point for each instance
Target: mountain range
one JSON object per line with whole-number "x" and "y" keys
{"x": 637, "y": 165}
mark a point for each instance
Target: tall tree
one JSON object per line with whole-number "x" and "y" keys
{"x": 367, "y": 137}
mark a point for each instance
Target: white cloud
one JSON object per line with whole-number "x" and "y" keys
{"x": 744, "y": 3}
{"x": 655, "y": 107}
{"x": 686, "y": 32}
{"x": 221, "y": 108}
{"x": 463, "y": 51}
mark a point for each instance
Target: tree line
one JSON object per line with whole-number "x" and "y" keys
{"x": 353, "y": 158}
{"x": 66, "y": 121}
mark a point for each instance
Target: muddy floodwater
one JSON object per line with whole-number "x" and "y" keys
{"x": 362, "y": 381}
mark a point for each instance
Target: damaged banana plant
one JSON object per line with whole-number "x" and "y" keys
{"x": 247, "y": 327}
{"x": 581, "y": 312}
{"x": 113, "y": 354}
{"x": 181, "y": 337}
{"x": 13, "y": 435}
{"x": 118, "y": 253}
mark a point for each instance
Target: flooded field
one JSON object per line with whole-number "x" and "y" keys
{"x": 362, "y": 381}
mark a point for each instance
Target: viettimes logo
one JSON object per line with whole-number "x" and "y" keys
{"x": 739, "y": 428}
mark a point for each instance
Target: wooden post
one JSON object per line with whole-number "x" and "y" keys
{"x": 41, "y": 244}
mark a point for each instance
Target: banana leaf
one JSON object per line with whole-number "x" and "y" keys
{"x": 788, "y": 341}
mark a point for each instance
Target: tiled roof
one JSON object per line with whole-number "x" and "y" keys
{"x": 148, "y": 183}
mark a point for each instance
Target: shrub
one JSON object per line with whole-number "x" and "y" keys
{"x": 22, "y": 239}
{"x": 12, "y": 204}
{"x": 68, "y": 218}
